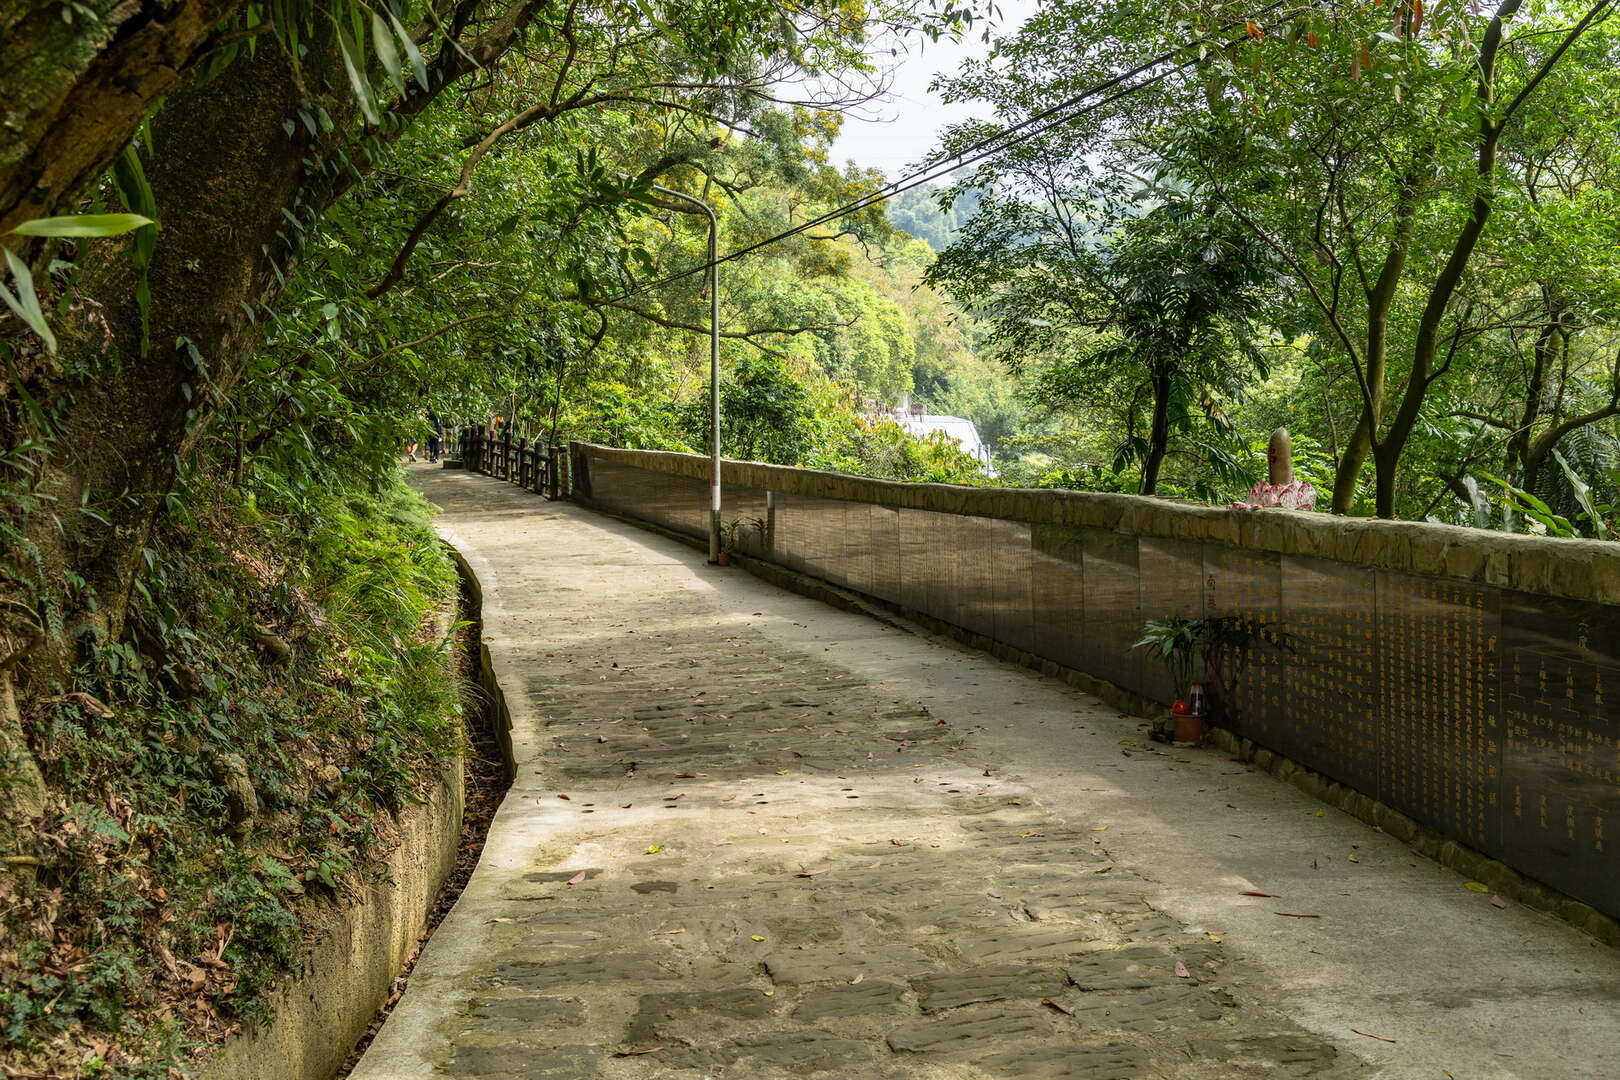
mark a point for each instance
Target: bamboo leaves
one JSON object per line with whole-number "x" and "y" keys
{"x": 354, "y": 65}
{"x": 395, "y": 50}
{"x": 24, "y": 303}
{"x": 129, "y": 178}
{"x": 83, "y": 225}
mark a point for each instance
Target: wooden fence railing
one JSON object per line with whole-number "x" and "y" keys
{"x": 533, "y": 466}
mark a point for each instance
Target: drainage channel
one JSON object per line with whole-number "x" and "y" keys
{"x": 487, "y": 776}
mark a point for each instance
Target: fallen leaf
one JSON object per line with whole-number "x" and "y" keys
{"x": 1181, "y": 971}
{"x": 721, "y": 843}
{"x": 686, "y": 776}
{"x": 755, "y": 937}
{"x": 1251, "y": 892}
{"x": 812, "y": 873}
{"x": 1497, "y": 901}
{"x": 781, "y": 772}
{"x": 1370, "y": 1035}
{"x": 1105, "y": 870}
{"x": 768, "y": 993}
{"x": 635, "y": 1053}
{"x": 502, "y": 918}
{"x": 1292, "y": 915}
{"x": 857, "y": 979}
{"x": 662, "y": 933}
{"x": 1213, "y": 935}
{"x": 1321, "y": 813}
{"x": 1058, "y": 1005}
{"x": 1029, "y": 835}
{"x": 653, "y": 849}
{"x": 1099, "y": 828}
{"x": 1352, "y": 858}
{"x": 565, "y": 798}
{"x": 577, "y": 879}
{"x": 1476, "y": 886}
{"x": 90, "y": 704}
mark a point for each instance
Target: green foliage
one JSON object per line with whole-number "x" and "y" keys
{"x": 148, "y": 894}
{"x": 1177, "y": 643}
{"x": 765, "y": 413}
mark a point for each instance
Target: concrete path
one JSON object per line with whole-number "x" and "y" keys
{"x": 752, "y": 836}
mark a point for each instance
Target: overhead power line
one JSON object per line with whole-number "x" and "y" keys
{"x": 1026, "y": 129}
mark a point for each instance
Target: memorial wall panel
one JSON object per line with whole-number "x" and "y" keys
{"x": 1057, "y": 600}
{"x": 1439, "y": 743}
{"x": 857, "y": 561}
{"x": 747, "y": 507}
{"x": 787, "y": 537}
{"x": 820, "y": 528}
{"x": 916, "y": 564}
{"x": 971, "y": 583}
{"x": 1561, "y": 735}
{"x": 886, "y": 553}
{"x": 1170, "y": 579}
{"x": 1011, "y": 572}
{"x": 1244, "y": 589}
{"x": 944, "y": 584}
{"x": 1113, "y": 610}
{"x": 1330, "y": 719}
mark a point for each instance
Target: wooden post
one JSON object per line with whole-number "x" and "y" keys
{"x": 553, "y": 472}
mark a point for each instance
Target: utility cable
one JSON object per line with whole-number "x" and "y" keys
{"x": 986, "y": 147}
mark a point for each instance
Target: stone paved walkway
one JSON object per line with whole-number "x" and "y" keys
{"x": 755, "y": 837}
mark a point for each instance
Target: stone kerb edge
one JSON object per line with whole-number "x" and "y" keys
{"x": 1580, "y": 569}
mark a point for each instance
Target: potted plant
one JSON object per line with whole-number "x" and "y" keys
{"x": 1178, "y": 642}
{"x": 728, "y": 541}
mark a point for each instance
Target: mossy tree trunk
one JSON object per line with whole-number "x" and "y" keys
{"x": 75, "y": 89}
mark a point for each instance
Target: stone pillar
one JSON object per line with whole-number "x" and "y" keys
{"x": 1280, "y": 458}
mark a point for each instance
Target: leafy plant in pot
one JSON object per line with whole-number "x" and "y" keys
{"x": 728, "y": 541}
{"x": 1178, "y": 642}
{"x": 731, "y": 532}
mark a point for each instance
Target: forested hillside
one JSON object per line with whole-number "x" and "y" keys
{"x": 1392, "y": 229}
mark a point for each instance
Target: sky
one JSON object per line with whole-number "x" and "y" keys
{"x": 898, "y": 131}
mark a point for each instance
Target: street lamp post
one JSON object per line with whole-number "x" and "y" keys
{"x": 714, "y": 366}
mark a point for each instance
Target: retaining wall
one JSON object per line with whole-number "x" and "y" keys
{"x": 1468, "y": 680}
{"x": 321, "y": 1011}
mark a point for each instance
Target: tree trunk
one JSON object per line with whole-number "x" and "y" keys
{"x": 1380, "y": 298}
{"x": 224, "y": 169}
{"x": 1347, "y": 476}
{"x": 76, "y": 90}
{"x": 1158, "y": 434}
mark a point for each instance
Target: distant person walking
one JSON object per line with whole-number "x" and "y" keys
{"x": 435, "y": 443}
